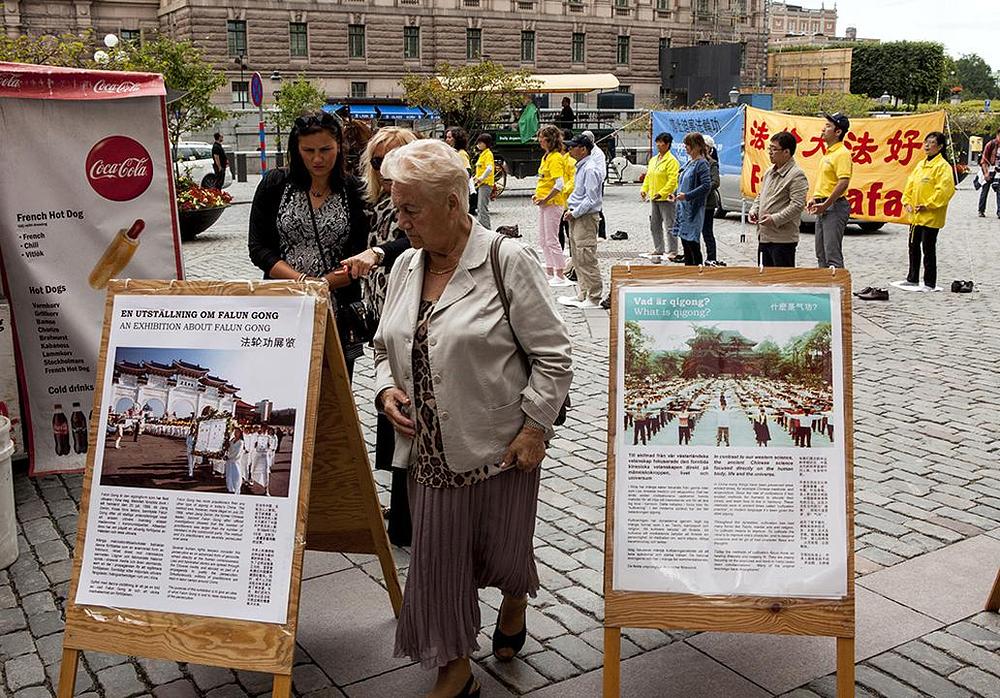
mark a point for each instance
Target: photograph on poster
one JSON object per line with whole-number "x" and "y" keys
{"x": 737, "y": 384}
{"x": 196, "y": 420}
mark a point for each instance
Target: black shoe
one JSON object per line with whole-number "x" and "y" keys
{"x": 982, "y": 214}
{"x": 606, "y": 303}
{"x": 467, "y": 691}
{"x": 619, "y": 235}
{"x": 513, "y": 642}
{"x": 874, "y": 294}
{"x": 866, "y": 290}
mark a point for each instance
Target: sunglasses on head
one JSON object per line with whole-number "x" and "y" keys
{"x": 323, "y": 120}
{"x": 376, "y": 161}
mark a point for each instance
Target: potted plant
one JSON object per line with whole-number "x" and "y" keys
{"x": 198, "y": 207}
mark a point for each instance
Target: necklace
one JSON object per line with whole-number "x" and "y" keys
{"x": 442, "y": 272}
{"x": 319, "y": 194}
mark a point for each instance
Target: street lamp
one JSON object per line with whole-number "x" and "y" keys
{"x": 822, "y": 80}
{"x": 734, "y": 95}
{"x": 276, "y": 77}
{"x": 241, "y": 61}
{"x": 884, "y": 102}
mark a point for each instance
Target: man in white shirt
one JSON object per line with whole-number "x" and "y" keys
{"x": 722, "y": 426}
{"x": 583, "y": 212}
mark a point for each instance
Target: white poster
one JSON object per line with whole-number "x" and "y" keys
{"x": 171, "y": 530}
{"x": 88, "y": 196}
{"x": 730, "y": 454}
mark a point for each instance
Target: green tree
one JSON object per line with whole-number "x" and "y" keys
{"x": 470, "y": 95}
{"x": 975, "y": 77}
{"x": 637, "y": 355}
{"x": 811, "y": 105}
{"x": 910, "y": 71}
{"x": 295, "y": 97}
{"x": 769, "y": 359}
{"x": 183, "y": 68}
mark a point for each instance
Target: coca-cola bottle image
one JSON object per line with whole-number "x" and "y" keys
{"x": 60, "y": 430}
{"x": 78, "y": 423}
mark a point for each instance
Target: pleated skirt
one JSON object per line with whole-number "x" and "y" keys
{"x": 464, "y": 539}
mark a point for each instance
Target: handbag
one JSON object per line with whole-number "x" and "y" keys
{"x": 505, "y": 302}
{"x": 356, "y": 324}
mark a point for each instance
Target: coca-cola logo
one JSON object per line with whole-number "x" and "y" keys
{"x": 10, "y": 81}
{"x": 117, "y": 88}
{"x": 119, "y": 168}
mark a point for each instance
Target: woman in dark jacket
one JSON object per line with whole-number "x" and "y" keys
{"x": 307, "y": 219}
{"x": 692, "y": 191}
{"x": 711, "y": 203}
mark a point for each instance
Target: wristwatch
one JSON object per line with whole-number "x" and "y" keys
{"x": 379, "y": 255}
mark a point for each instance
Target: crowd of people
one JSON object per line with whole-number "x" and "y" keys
{"x": 472, "y": 359}
{"x": 722, "y": 403}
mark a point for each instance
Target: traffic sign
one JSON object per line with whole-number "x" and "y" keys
{"x": 256, "y": 90}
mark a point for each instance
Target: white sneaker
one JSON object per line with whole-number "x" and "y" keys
{"x": 571, "y": 301}
{"x": 587, "y": 303}
{"x": 560, "y": 282}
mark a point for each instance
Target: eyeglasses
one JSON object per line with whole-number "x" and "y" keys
{"x": 376, "y": 161}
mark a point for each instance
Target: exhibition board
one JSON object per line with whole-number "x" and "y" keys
{"x": 730, "y": 452}
{"x": 197, "y": 557}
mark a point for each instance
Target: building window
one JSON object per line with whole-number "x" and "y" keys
{"x": 663, "y": 5}
{"x": 241, "y": 91}
{"x": 743, "y": 56}
{"x": 624, "y": 48}
{"x": 298, "y": 39}
{"x": 528, "y": 47}
{"x": 133, "y": 35}
{"x": 236, "y": 37}
{"x": 473, "y": 44}
{"x": 702, "y": 7}
{"x": 411, "y": 42}
{"x": 579, "y": 47}
{"x": 356, "y": 41}
{"x": 359, "y": 90}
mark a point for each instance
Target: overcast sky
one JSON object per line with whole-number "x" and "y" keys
{"x": 963, "y": 26}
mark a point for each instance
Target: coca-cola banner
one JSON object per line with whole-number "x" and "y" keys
{"x": 86, "y": 196}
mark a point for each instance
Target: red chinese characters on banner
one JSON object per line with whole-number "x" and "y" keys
{"x": 819, "y": 147}
{"x": 861, "y": 147}
{"x": 908, "y": 141}
{"x": 758, "y": 135}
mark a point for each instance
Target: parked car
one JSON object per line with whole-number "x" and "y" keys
{"x": 732, "y": 202}
{"x": 194, "y": 158}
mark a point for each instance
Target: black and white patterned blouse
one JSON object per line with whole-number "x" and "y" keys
{"x": 383, "y": 229}
{"x": 313, "y": 251}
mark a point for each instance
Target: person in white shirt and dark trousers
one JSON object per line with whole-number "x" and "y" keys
{"x": 583, "y": 213}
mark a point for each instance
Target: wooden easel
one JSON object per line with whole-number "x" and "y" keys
{"x": 338, "y": 511}
{"x": 785, "y": 616}
{"x": 993, "y": 601}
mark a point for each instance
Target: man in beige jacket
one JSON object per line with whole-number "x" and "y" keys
{"x": 779, "y": 206}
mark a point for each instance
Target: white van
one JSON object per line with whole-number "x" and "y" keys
{"x": 195, "y": 159}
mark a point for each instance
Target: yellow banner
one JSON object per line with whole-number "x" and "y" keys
{"x": 884, "y": 152}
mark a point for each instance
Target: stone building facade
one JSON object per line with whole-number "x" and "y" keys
{"x": 794, "y": 24}
{"x": 362, "y": 47}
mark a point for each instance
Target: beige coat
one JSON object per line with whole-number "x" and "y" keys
{"x": 782, "y": 195}
{"x": 482, "y": 390}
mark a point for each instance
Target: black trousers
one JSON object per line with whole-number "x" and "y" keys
{"x": 923, "y": 239}
{"x": 708, "y": 232}
{"x": 984, "y": 195}
{"x": 776, "y": 254}
{"x": 692, "y": 253}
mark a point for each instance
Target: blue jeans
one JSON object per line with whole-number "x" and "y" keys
{"x": 984, "y": 194}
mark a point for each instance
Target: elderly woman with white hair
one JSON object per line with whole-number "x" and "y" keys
{"x": 473, "y": 394}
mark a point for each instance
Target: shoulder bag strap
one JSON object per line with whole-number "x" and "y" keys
{"x": 319, "y": 244}
{"x": 502, "y": 292}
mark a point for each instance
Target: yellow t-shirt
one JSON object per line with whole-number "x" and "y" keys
{"x": 569, "y": 178}
{"x": 834, "y": 166}
{"x": 485, "y": 160}
{"x": 465, "y": 159}
{"x": 552, "y": 168}
{"x": 661, "y": 176}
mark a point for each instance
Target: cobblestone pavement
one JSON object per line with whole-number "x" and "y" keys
{"x": 926, "y": 396}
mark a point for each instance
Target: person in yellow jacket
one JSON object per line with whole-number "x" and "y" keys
{"x": 569, "y": 165}
{"x": 484, "y": 178}
{"x": 928, "y": 190}
{"x": 657, "y": 188}
{"x": 550, "y": 202}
